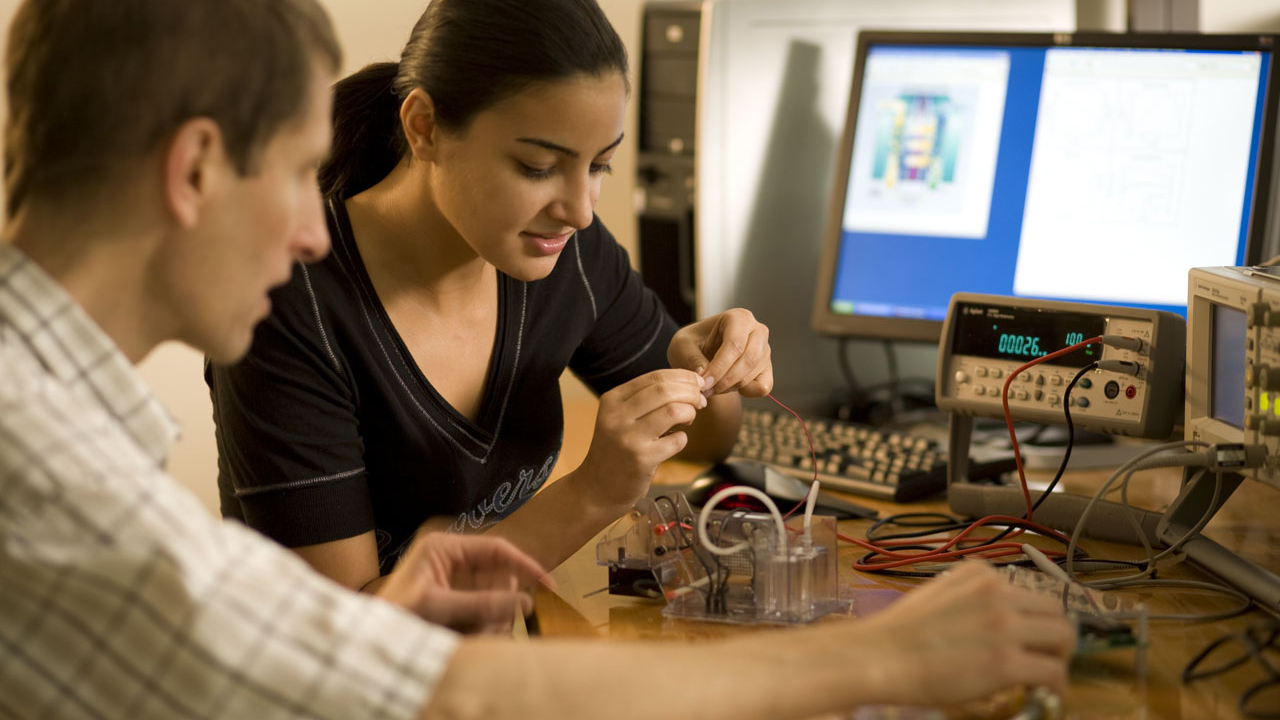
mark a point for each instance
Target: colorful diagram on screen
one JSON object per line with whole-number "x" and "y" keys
{"x": 925, "y": 144}
{"x": 916, "y": 141}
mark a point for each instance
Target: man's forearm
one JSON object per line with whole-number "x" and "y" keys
{"x": 765, "y": 675}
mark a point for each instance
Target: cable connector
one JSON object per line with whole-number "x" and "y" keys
{"x": 1124, "y": 342}
{"x": 1128, "y": 367}
{"x": 1236, "y": 456}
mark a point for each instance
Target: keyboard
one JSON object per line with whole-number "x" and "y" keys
{"x": 853, "y": 457}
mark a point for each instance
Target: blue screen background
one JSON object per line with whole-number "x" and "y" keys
{"x": 915, "y": 276}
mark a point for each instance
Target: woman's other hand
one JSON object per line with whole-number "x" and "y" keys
{"x": 636, "y": 430}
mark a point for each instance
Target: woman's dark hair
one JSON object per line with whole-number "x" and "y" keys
{"x": 467, "y": 55}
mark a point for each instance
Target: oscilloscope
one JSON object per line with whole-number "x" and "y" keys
{"x": 1233, "y": 360}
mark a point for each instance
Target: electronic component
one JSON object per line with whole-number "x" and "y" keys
{"x": 1104, "y": 621}
{"x": 760, "y": 573}
{"x": 1232, "y": 381}
{"x": 1233, "y": 361}
{"x": 986, "y": 337}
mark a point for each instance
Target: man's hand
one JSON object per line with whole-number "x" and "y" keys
{"x": 470, "y": 583}
{"x": 966, "y": 635}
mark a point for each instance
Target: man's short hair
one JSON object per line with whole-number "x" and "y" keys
{"x": 96, "y": 84}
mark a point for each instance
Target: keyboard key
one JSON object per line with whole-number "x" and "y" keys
{"x": 853, "y": 457}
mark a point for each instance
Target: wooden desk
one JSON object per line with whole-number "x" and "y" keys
{"x": 1103, "y": 687}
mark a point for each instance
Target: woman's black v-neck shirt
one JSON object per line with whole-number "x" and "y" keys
{"x": 328, "y": 429}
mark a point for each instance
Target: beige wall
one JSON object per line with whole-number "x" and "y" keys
{"x": 372, "y": 31}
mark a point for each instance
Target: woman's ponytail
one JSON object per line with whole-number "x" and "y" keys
{"x": 367, "y": 138}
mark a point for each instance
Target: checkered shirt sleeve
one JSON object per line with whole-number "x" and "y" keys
{"x": 121, "y": 597}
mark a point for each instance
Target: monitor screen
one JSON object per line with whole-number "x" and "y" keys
{"x": 1086, "y": 167}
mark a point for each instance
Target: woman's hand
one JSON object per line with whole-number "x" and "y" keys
{"x": 730, "y": 350}
{"x": 965, "y": 636}
{"x": 636, "y": 431}
{"x": 470, "y": 583}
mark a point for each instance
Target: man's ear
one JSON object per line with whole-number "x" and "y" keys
{"x": 192, "y": 166}
{"x": 421, "y": 129}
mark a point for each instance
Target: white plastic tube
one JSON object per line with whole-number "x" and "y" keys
{"x": 808, "y": 513}
{"x": 738, "y": 490}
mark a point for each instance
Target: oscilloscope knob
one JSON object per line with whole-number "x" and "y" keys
{"x": 1255, "y": 313}
{"x": 1264, "y": 315}
{"x": 1268, "y": 377}
{"x": 1264, "y": 424}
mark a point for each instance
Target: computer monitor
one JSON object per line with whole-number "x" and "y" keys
{"x": 1086, "y": 167}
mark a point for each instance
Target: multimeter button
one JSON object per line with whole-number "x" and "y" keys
{"x": 962, "y": 377}
{"x": 1039, "y": 395}
{"x": 1021, "y": 395}
{"x": 997, "y": 373}
{"x": 1054, "y": 399}
{"x": 1039, "y": 379}
{"x": 1082, "y": 402}
{"x": 980, "y": 371}
{"x": 1086, "y": 383}
{"x": 1055, "y": 380}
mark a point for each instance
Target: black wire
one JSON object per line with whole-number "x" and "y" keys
{"x": 1066, "y": 452}
{"x": 946, "y": 523}
{"x": 949, "y": 523}
{"x": 896, "y": 407}
{"x": 1255, "y": 648}
{"x": 675, "y": 512}
{"x": 846, "y": 369}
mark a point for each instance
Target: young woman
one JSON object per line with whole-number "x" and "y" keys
{"x": 414, "y": 373}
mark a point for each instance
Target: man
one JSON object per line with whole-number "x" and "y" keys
{"x": 159, "y": 168}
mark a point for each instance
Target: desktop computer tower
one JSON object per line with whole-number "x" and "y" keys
{"x": 670, "y": 39}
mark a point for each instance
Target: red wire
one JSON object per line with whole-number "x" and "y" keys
{"x": 1008, "y": 416}
{"x": 961, "y": 544}
{"x": 812, "y": 453}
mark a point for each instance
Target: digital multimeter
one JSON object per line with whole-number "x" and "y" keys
{"x": 987, "y": 337}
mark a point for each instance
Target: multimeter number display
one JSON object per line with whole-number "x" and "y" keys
{"x": 1005, "y": 333}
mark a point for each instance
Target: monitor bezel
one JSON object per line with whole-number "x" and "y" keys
{"x": 826, "y": 322}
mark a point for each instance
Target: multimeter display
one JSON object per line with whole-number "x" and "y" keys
{"x": 1005, "y": 333}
